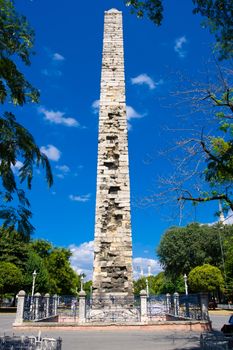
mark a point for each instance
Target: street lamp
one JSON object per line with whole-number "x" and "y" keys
{"x": 81, "y": 281}
{"x": 33, "y": 282}
{"x": 186, "y": 284}
{"x": 147, "y": 287}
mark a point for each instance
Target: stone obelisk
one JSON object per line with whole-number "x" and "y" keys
{"x": 113, "y": 242}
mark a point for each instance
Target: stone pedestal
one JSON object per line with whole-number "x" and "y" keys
{"x": 20, "y": 307}
{"x": 204, "y": 306}
{"x": 82, "y": 306}
{"x": 143, "y": 299}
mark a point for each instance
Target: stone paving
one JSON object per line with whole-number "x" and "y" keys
{"x": 118, "y": 339}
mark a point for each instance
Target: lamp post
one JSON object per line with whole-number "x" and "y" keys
{"x": 81, "y": 282}
{"x": 147, "y": 288}
{"x": 33, "y": 282}
{"x": 33, "y": 290}
{"x": 186, "y": 284}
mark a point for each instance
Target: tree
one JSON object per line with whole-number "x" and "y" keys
{"x": 11, "y": 278}
{"x": 41, "y": 247}
{"x": 56, "y": 271}
{"x": 213, "y": 153}
{"x": 43, "y": 281}
{"x": 63, "y": 279}
{"x": 183, "y": 248}
{"x": 52, "y": 264}
{"x": 218, "y": 16}
{"x": 159, "y": 284}
{"x": 12, "y": 248}
{"x": 16, "y": 144}
{"x": 205, "y": 278}
{"x": 202, "y": 158}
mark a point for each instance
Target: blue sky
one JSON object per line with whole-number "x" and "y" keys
{"x": 66, "y": 69}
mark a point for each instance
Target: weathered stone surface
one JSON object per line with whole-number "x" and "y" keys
{"x": 113, "y": 242}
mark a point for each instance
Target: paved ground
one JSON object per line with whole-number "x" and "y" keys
{"x": 119, "y": 340}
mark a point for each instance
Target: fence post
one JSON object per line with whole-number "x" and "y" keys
{"x": 82, "y": 306}
{"x": 168, "y": 303}
{"x": 55, "y": 302}
{"x": 143, "y": 299}
{"x": 20, "y": 307}
{"x": 47, "y": 296}
{"x": 37, "y": 299}
{"x": 204, "y": 306}
{"x": 176, "y": 303}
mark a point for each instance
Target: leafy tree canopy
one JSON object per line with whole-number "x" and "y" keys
{"x": 52, "y": 264}
{"x": 16, "y": 143}
{"x": 11, "y": 278}
{"x": 12, "y": 248}
{"x": 63, "y": 278}
{"x": 183, "y": 248}
{"x": 159, "y": 284}
{"x": 205, "y": 278}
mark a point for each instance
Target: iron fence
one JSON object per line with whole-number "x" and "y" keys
{"x": 29, "y": 343}
{"x": 190, "y": 307}
{"x": 113, "y": 309}
{"x": 38, "y": 308}
{"x": 68, "y": 308}
{"x": 156, "y": 306}
{"x": 212, "y": 341}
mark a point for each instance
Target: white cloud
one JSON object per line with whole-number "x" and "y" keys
{"x": 57, "y": 117}
{"x": 51, "y": 152}
{"x": 82, "y": 258}
{"x": 15, "y": 168}
{"x": 142, "y": 265}
{"x": 229, "y": 218}
{"x": 51, "y": 72}
{"x": 179, "y": 42}
{"x": 58, "y": 57}
{"x": 80, "y": 198}
{"x": 96, "y": 105}
{"x": 63, "y": 168}
{"x": 144, "y": 79}
{"x": 132, "y": 114}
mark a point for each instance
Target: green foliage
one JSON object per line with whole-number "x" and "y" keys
{"x": 52, "y": 264}
{"x": 41, "y": 247}
{"x": 42, "y": 281}
{"x": 63, "y": 279}
{"x": 205, "y": 278}
{"x": 12, "y": 248}
{"x": 16, "y": 144}
{"x": 10, "y": 278}
{"x": 86, "y": 287}
{"x": 159, "y": 284}
{"x": 218, "y": 16}
{"x": 183, "y": 248}
{"x": 152, "y": 8}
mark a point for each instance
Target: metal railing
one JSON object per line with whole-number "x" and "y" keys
{"x": 29, "y": 343}
{"x": 156, "y": 306}
{"x": 190, "y": 307}
{"x": 210, "y": 341}
{"x": 68, "y": 308}
{"x": 113, "y": 309}
{"x": 39, "y": 308}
